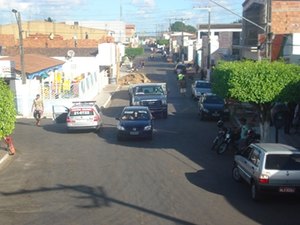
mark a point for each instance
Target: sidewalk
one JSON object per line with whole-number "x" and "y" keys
{"x": 247, "y": 112}
{"x": 102, "y": 99}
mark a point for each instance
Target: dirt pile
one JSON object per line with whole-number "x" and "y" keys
{"x": 133, "y": 78}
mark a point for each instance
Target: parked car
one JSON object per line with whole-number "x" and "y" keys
{"x": 268, "y": 168}
{"x": 212, "y": 106}
{"x": 135, "y": 121}
{"x": 152, "y": 95}
{"x": 83, "y": 115}
{"x": 180, "y": 68}
{"x": 200, "y": 87}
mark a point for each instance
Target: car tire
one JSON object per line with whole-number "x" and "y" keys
{"x": 165, "y": 114}
{"x": 255, "y": 193}
{"x": 236, "y": 174}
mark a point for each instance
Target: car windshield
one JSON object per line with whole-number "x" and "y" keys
{"x": 283, "y": 162}
{"x": 152, "y": 90}
{"x": 214, "y": 100}
{"x": 203, "y": 85}
{"x": 135, "y": 115}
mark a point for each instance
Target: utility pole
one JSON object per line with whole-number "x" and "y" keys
{"x": 208, "y": 62}
{"x": 181, "y": 52}
{"x": 268, "y": 33}
{"x": 19, "y": 23}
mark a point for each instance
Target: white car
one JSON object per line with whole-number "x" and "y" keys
{"x": 200, "y": 87}
{"x": 83, "y": 115}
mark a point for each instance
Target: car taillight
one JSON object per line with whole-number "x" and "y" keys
{"x": 263, "y": 179}
{"x": 96, "y": 118}
{"x": 68, "y": 120}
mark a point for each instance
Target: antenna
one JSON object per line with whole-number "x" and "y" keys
{"x": 70, "y": 53}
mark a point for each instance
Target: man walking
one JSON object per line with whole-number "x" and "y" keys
{"x": 37, "y": 109}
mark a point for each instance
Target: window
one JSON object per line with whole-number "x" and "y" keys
{"x": 254, "y": 157}
{"x": 283, "y": 162}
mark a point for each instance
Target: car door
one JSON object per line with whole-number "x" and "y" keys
{"x": 252, "y": 165}
{"x": 243, "y": 163}
{"x": 59, "y": 113}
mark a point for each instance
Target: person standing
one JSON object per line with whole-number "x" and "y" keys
{"x": 37, "y": 109}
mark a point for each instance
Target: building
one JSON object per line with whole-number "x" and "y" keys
{"x": 221, "y": 44}
{"x": 283, "y": 18}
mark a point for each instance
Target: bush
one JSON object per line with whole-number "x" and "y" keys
{"x": 7, "y": 110}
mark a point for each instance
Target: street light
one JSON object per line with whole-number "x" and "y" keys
{"x": 18, "y": 19}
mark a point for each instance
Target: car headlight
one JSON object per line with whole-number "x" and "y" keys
{"x": 119, "y": 127}
{"x": 149, "y": 127}
{"x": 205, "y": 110}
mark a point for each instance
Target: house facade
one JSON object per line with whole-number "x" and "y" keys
{"x": 285, "y": 20}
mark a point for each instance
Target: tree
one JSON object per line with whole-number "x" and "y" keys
{"x": 133, "y": 52}
{"x": 163, "y": 42}
{"x": 7, "y": 110}
{"x": 181, "y": 27}
{"x": 258, "y": 83}
{"x": 49, "y": 19}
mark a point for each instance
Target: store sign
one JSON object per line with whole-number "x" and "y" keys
{"x": 7, "y": 69}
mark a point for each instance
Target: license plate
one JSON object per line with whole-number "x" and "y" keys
{"x": 287, "y": 189}
{"x": 134, "y": 132}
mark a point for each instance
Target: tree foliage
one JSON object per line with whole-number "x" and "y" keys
{"x": 259, "y": 83}
{"x": 163, "y": 42}
{"x": 133, "y": 52}
{"x": 7, "y": 110}
{"x": 181, "y": 27}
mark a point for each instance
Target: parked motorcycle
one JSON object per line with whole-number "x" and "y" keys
{"x": 220, "y": 136}
{"x": 231, "y": 140}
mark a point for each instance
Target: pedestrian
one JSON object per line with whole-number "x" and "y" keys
{"x": 296, "y": 118}
{"x": 244, "y": 128}
{"x": 182, "y": 83}
{"x": 288, "y": 123}
{"x": 37, "y": 109}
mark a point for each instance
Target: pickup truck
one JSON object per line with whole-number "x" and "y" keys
{"x": 152, "y": 95}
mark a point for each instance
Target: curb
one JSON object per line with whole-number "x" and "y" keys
{"x": 110, "y": 97}
{"x": 4, "y": 158}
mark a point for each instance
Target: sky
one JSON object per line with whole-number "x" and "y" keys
{"x": 149, "y": 16}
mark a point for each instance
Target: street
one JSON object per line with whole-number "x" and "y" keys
{"x": 91, "y": 178}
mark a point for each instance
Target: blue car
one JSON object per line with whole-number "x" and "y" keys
{"x": 135, "y": 122}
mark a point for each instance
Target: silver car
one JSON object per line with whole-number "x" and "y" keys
{"x": 200, "y": 87}
{"x": 268, "y": 168}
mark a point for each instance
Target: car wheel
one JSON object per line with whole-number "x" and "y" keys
{"x": 255, "y": 193}
{"x": 165, "y": 114}
{"x": 236, "y": 174}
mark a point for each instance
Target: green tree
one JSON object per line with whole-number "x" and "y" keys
{"x": 7, "y": 110}
{"x": 133, "y": 52}
{"x": 181, "y": 27}
{"x": 258, "y": 83}
{"x": 163, "y": 42}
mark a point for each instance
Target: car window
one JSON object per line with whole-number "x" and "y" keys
{"x": 246, "y": 153}
{"x": 135, "y": 115}
{"x": 203, "y": 85}
{"x": 283, "y": 162}
{"x": 255, "y": 157}
{"x": 155, "y": 90}
{"x": 214, "y": 100}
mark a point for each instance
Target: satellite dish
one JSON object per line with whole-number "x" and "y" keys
{"x": 71, "y": 53}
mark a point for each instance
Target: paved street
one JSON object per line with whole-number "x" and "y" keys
{"x": 88, "y": 178}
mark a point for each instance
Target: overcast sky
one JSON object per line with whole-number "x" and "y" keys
{"x": 147, "y": 15}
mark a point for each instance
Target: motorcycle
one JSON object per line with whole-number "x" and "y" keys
{"x": 231, "y": 139}
{"x": 220, "y": 136}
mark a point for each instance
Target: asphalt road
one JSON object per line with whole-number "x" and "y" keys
{"x": 88, "y": 178}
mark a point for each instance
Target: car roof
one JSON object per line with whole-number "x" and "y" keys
{"x": 276, "y": 148}
{"x": 147, "y": 84}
